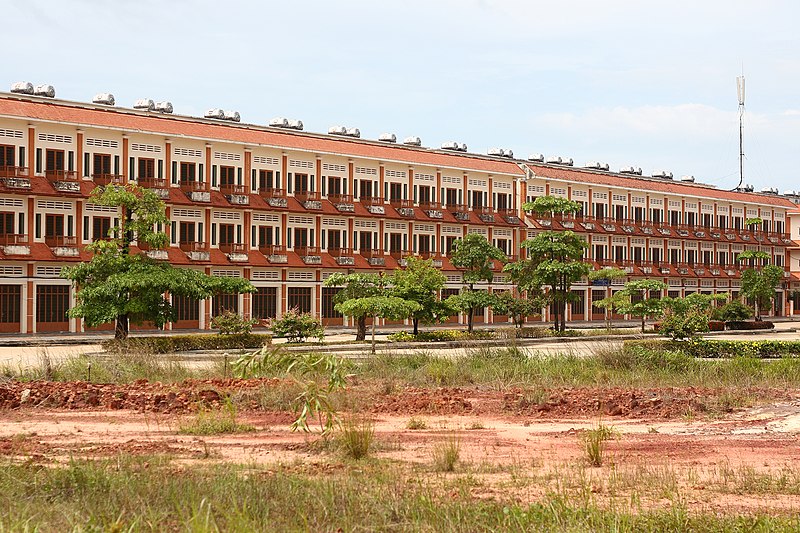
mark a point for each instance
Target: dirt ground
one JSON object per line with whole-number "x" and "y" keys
{"x": 693, "y": 446}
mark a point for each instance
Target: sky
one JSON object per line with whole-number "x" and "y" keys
{"x": 649, "y": 84}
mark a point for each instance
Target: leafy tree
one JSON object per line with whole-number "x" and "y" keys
{"x": 379, "y": 306}
{"x": 636, "y": 300}
{"x": 232, "y": 323}
{"x": 733, "y": 311}
{"x": 475, "y": 255}
{"x": 607, "y": 275}
{"x": 297, "y": 326}
{"x": 356, "y": 286}
{"x": 554, "y": 259}
{"x": 507, "y": 303}
{"x": 759, "y": 285}
{"x": 685, "y": 317}
{"x": 469, "y": 301}
{"x": 116, "y": 285}
{"x": 420, "y": 282}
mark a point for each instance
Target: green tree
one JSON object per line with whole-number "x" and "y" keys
{"x": 606, "y": 275}
{"x": 475, "y": 255}
{"x": 554, "y": 259}
{"x": 517, "y": 307}
{"x": 421, "y": 282}
{"x": 733, "y": 311}
{"x": 636, "y": 299}
{"x": 759, "y": 285}
{"x": 468, "y": 301}
{"x": 356, "y": 286}
{"x": 685, "y": 317}
{"x": 380, "y": 306}
{"x": 116, "y": 285}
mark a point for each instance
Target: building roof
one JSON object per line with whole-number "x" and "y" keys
{"x": 593, "y": 177}
{"x": 171, "y": 125}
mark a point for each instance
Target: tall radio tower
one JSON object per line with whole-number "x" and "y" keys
{"x": 740, "y": 94}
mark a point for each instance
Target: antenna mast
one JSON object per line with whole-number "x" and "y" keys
{"x": 740, "y": 94}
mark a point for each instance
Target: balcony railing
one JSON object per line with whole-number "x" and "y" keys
{"x": 108, "y": 179}
{"x": 14, "y": 172}
{"x": 61, "y": 175}
{"x": 231, "y": 188}
{"x": 193, "y": 246}
{"x": 340, "y": 198}
{"x": 272, "y": 249}
{"x": 194, "y": 186}
{"x": 232, "y": 248}
{"x": 60, "y": 241}
{"x": 340, "y": 252}
{"x": 272, "y": 193}
{"x": 507, "y": 212}
{"x": 430, "y": 206}
{"x": 307, "y": 250}
{"x": 401, "y": 203}
{"x": 307, "y": 196}
{"x": 12, "y": 239}
{"x": 370, "y": 254}
{"x": 399, "y": 254}
{"x": 153, "y": 183}
{"x": 371, "y": 200}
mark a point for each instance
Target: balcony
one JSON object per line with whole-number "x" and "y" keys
{"x": 274, "y": 197}
{"x": 274, "y": 253}
{"x": 157, "y": 185}
{"x": 460, "y": 211}
{"x": 343, "y": 256}
{"x": 236, "y": 194}
{"x": 373, "y": 204}
{"x": 310, "y": 255}
{"x": 343, "y": 202}
{"x": 64, "y": 180}
{"x": 197, "y": 191}
{"x": 400, "y": 256}
{"x": 153, "y": 253}
{"x": 374, "y": 257}
{"x": 15, "y": 177}
{"x": 435, "y": 257}
{"x": 62, "y": 246}
{"x": 108, "y": 179}
{"x": 196, "y": 251}
{"x": 486, "y": 214}
{"x": 236, "y": 252}
{"x": 309, "y": 199}
{"x": 404, "y": 208}
{"x": 432, "y": 209}
{"x": 15, "y": 244}
{"x": 509, "y": 215}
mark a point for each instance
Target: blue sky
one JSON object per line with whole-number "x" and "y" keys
{"x": 625, "y": 82}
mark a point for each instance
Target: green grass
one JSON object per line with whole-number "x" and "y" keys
{"x": 356, "y": 436}
{"x": 215, "y": 422}
{"x": 446, "y": 454}
{"x": 150, "y": 494}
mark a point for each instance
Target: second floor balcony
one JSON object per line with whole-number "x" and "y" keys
{"x": 342, "y": 202}
{"x": 108, "y": 179}
{"x": 15, "y": 177}
{"x": 236, "y": 252}
{"x": 373, "y": 204}
{"x": 311, "y": 255}
{"x": 236, "y": 194}
{"x": 274, "y": 197}
{"x": 197, "y": 191}
{"x": 196, "y": 251}
{"x": 64, "y": 180}
{"x": 309, "y": 199}
{"x": 15, "y": 244}
{"x": 343, "y": 256}
{"x": 373, "y": 257}
{"x": 274, "y": 253}
{"x": 62, "y": 245}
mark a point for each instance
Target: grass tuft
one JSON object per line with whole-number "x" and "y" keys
{"x": 446, "y": 454}
{"x": 357, "y": 436}
{"x": 594, "y": 443}
{"x": 215, "y": 422}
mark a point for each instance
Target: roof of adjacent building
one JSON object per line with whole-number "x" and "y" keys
{"x": 173, "y": 125}
{"x": 594, "y": 177}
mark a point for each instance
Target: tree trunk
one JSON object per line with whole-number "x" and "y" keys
{"x": 374, "y": 319}
{"x": 470, "y": 318}
{"x": 361, "y": 330}
{"x": 642, "y": 323}
{"x": 122, "y": 328}
{"x": 415, "y": 321}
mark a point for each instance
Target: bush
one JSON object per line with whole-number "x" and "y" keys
{"x": 445, "y": 335}
{"x": 739, "y": 325}
{"x": 706, "y": 348}
{"x": 297, "y": 326}
{"x": 186, "y": 343}
{"x": 232, "y": 323}
{"x": 733, "y": 311}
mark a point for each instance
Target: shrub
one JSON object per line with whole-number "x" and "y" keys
{"x": 297, "y": 326}
{"x": 357, "y": 436}
{"x": 594, "y": 443}
{"x": 739, "y": 325}
{"x": 215, "y": 422}
{"x": 186, "y": 343}
{"x": 446, "y": 454}
{"x": 712, "y": 348}
{"x": 445, "y": 335}
{"x": 733, "y": 311}
{"x": 232, "y": 323}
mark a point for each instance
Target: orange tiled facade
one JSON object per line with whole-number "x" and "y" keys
{"x": 287, "y": 208}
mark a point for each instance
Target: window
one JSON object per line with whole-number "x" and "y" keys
{"x": 188, "y": 172}
{"x": 54, "y": 160}
{"x": 328, "y": 293}
{"x": 54, "y": 225}
{"x": 9, "y": 304}
{"x": 102, "y": 164}
{"x": 6, "y": 156}
{"x": 301, "y": 183}
{"x": 300, "y": 298}
{"x": 448, "y": 243}
{"x": 674, "y": 217}
{"x": 395, "y": 242}
{"x": 424, "y": 193}
{"x": 619, "y": 212}
{"x": 598, "y": 295}
{"x": 227, "y": 176}
{"x": 226, "y": 234}
{"x": 186, "y": 308}
{"x": 265, "y": 303}
{"x": 334, "y": 239}
{"x": 424, "y": 243}
{"x": 187, "y": 232}
{"x": 264, "y": 235}
{"x": 334, "y": 185}
{"x": 265, "y": 180}
{"x": 600, "y": 211}
{"x": 656, "y": 215}
{"x": 451, "y": 196}
{"x": 100, "y": 227}
{"x": 52, "y": 303}
{"x": 300, "y": 237}
{"x": 365, "y": 189}
{"x": 477, "y": 199}
{"x": 691, "y": 218}
{"x": 224, "y": 302}
{"x": 6, "y": 223}
{"x": 147, "y": 168}
{"x": 365, "y": 240}
{"x": 395, "y": 191}
{"x": 503, "y": 201}
{"x": 599, "y": 252}
{"x": 578, "y": 303}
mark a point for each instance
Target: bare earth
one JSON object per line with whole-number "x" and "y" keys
{"x": 672, "y": 444}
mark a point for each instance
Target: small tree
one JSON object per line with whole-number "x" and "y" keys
{"x": 475, "y": 255}
{"x": 606, "y": 275}
{"x": 356, "y": 286}
{"x": 685, "y": 317}
{"x": 420, "y": 282}
{"x": 517, "y": 307}
{"x": 232, "y": 323}
{"x": 469, "y": 301}
{"x": 637, "y": 300}
{"x": 733, "y": 311}
{"x": 759, "y": 285}
{"x": 390, "y": 307}
{"x": 116, "y": 285}
{"x": 297, "y": 326}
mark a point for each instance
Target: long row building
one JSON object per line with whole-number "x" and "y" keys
{"x": 285, "y": 208}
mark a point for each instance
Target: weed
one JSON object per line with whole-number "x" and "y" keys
{"x": 416, "y": 423}
{"x": 215, "y": 422}
{"x": 477, "y": 424}
{"x": 356, "y": 436}
{"x": 446, "y": 454}
{"x": 594, "y": 443}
